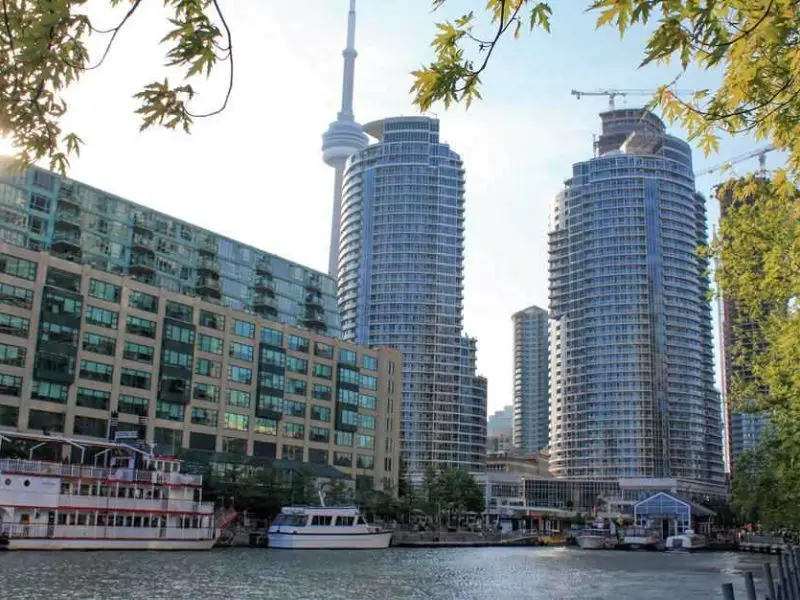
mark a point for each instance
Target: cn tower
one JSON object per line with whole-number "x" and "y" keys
{"x": 343, "y": 138}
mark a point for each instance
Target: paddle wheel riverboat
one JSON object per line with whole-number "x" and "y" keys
{"x": 137, "y": 501}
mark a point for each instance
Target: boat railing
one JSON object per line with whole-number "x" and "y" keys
{"x": 112, "y": 503}
{"x": 22, "y": 530}
{"x": 33, "y": 467}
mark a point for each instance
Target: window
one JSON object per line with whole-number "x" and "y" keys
{"x": 18, "y": 267}
{"x": 138, "y": 352}
{"x": 240, "y": 351}
{"x": 50, "y": 332}
{"x": 170, "y": 411}
{"x": 13, "y": 325}
{"x": 99, "y": 344}
{"x": 366, "y": 441}
{"x": 319, "y": 434}
{"x": 349, "y": 376}
{"x": 240, "y": 374}
{"x": 206, "y": 391}
{"x": 343, "y": 459}
{"x": 15, "y": 296}
{"x": 318, "y": 456}
{"x": 273, "y": 337}
{"x": 234, "y": 445}
{"x": 238, "y": 398}
{"x": 321, "y": 392}
{"x": 39, "y": 203}
{"x": 49, "y": 392}
{"x": 44, "y": 180}
{"x": 296, "y": 431}
{"x": 369, "y": 382}
{"x": 169, "y": 441}
{"x": 143, "y": 301}
{"x": 296, "y": 365}
{"x": 266, "y": 426}
{"x": 348, "y": 357}
{"x": 202, "y": 441}
{"x": 294, "y": 408}
{"x": 323, "y": 350}
{"x": 179, "y": 334}
{"x": 369, "y": 362}
{"x": 366, "y": 422}
{"x": 57, "y": 303}
{"x": 181, "y": 312}
{"x": 244, "y": 329}
{"x": 290, "y": 452}
{"x": 135, "y": 378}
{"x": 173, "y": 358}
{"x": 9, "y": 415}
{"x": 90, "y": 398}
{"x": 236, "y": 421}
{"x": 63, "y": 279}
{"x": 323, "y": 371}
{"x": 12, "y": 356}
{"x": 44, "y": 420}
{"x": 349, "y": 417}
{"x": 320, "y": 413}
{"x": 205, "y": 416}
{"x": 212, "y": 320}
{"x": 347, "y": 397}
{"x": 102, "y": 290}
{"x": 132, "y": 405}
{"x": 342, "y": 438}
{"x": 300, "y": 344}
{"x": 90, "y": 427}
{"x": 296, "y": 386}
{"x": 365, "y": 462}
{"x": 209, "y": 343}
{"x": 275, "y": 358}
{"x": 272, "y": 381}
{"x": 96, "y": 371}
{"x": 265, "y": 449}
{"x": 142, "y": 327}
{"x": 208, "y": 368}
{"x": 366, "y": 401}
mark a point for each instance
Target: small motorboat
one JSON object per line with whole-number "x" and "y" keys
{"x": 639, "y": 538}
{"x": 688, "y": 541}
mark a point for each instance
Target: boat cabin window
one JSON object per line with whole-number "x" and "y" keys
{"x": 345, "y": 521}
{"x": 321, "y": 520}
{"x": 293, "y": 520}
{"x": 361, "y": 521}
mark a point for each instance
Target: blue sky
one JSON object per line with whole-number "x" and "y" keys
{"x": 255, "y": 172}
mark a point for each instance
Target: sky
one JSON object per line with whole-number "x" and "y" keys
{"x": 255, "y": 172}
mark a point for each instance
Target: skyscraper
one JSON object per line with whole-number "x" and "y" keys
{"x": 343, "y": 137}
{"x": 531, "y": 396}
{"x": 401, "y": 273}
{"x": 632, "y": 381}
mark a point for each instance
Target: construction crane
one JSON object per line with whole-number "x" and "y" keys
{"x": 760, "y": 153}
{"x": 612, "y": 94}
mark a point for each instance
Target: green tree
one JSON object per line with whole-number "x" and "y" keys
{"x": 753, "y": 44}
{"x": 14, "y": 449}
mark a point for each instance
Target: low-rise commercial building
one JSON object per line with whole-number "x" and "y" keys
{"x": 82, "y": 348}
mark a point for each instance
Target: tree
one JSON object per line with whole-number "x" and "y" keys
{"x": 759, "y": 270}
{"x": 14, "y": 449}
{"x": 753, "y": 43}
{"x": 44, "y": 49}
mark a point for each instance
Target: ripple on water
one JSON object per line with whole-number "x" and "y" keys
{"x": 397, "y": 574}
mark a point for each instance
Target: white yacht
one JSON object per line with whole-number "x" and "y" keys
{"x": 325, "y": 527}
{"x": 137, "y": 502}
{"x": 640, "y": 538}
{"x": 688, "y": 541}
{"x": 593, "y": 538}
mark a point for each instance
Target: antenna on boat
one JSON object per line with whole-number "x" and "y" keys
{"x": 321, "y": 497}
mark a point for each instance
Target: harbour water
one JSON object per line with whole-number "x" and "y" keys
{"x": 451, "y": 574}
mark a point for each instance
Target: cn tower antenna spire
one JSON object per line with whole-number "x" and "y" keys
{"x": 343, "y": 138}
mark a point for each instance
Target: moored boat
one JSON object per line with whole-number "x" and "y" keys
{"x": 139, "y": 501}
{"x": 325, "y": 527}
{"x": 639, "y": 538}
{"x": 596, "y": 539}
{"x": 688, "y": 541}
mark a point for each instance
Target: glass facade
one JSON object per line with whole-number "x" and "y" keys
{"x": 632, "y": 381}
{"x": 400, "y": 284}
{"x": 40, "y": 210}
{"x": 531, "y": 393}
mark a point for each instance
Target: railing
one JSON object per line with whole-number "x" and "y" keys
{"x": 112, "y": 503}
{"x": 33, "y": 467}
{"x": 104, "y": 532}
{"x": 785, "y": 587}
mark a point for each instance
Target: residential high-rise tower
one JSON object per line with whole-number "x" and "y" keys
{"x": 401, "y": 255}
{"x": 343, "y": 137}
{"x": 632, "y": 381}
{"x": 531, "y": 396}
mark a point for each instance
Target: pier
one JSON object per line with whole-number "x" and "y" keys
{"x": 783, "y": 585}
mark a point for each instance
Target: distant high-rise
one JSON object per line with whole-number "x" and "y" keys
{"x": 343, "y": 137}
{"x": 401, "y": 271}
{"x": 499, "y": 433}
{"x": 632, "y": 381}
{"x": 531, "y": 397}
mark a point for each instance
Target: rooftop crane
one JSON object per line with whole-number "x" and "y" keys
{"x": 613, "y": 93}
{"x": 760, "y": 153}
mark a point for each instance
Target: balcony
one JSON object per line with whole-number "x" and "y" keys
{"x": 142, "y": 263}
{"x": 314, "y": 301}
{"x": 265, "y": 284}
{"x": 313, "y": 283}
{"x": 208, "y": 286}
{"x": 66, "y": 195}
{"x": 265, "y": 300}
{"x": 66, "y": 241}
{"x": 143, "y": 222}
{"x": 145, "y": 242}
{"x": 207, "y": 244}
{"x": 263, "y": 265}
{"x": 68, "y": 218}
{"x": 207, "y": 264}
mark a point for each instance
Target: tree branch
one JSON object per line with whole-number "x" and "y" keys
{"x": 230, "y": 59}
